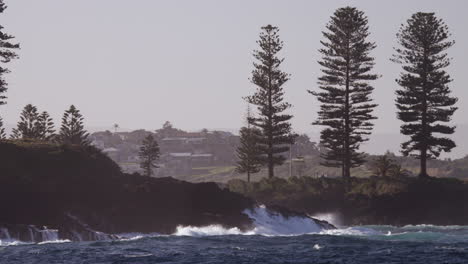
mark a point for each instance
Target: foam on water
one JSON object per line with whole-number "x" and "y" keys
{"x": 212, "y": 230}
{"x": 57, "y": 241}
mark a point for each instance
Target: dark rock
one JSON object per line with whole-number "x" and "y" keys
{"x": 83, "y": 194}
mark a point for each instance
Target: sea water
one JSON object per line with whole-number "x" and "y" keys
{"x": 275, "y": 239}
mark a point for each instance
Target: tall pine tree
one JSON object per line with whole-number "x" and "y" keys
{"x": 248, "y": 152}
{"x": 276, "y": 134}
{"x": 149, "y": 154}
{"x": 7, "y": 54}
{"x": 28, "y": 127}
{"x": 424, "y": 102}
{"x": 346, "y": 106}
{"x": 72, "y": 130}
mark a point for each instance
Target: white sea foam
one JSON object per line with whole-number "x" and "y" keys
{"x": 58, "y": 241}
{"x": 352, "y": 231}
{"x": 11, "y": 242}
{"x": 211, "y": 230}
{"x": 136, "y": 236}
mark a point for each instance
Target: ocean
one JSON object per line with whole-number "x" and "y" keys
{"x": 274, "y": 240}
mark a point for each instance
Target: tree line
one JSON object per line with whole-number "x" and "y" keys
{"x": 424, "y": 101}
{"x": 37, "y": 126}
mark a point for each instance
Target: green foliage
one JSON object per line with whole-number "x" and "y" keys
{"x": 424, "y": 102}
{"x": 269, "y": 80}
{"x": 46, "y": 127}
{"x": 346, "y": 106}
{"x": 30, "y": 125}
{"x": 385, "y": 166}
{"x": 149, "y": 154}
{"x": 72, "y": 131}
{"x": 7, "y": 54}
{"x": 248, "y": 151}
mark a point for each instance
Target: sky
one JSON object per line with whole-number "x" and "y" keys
{"x": 139, "y": 63}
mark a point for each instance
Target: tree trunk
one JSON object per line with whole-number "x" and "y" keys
{"x": 347, "y": 154}
{"x": 423, "y": 157}
{"x": 271, "y": 172}
{"x": 423, "y": 173}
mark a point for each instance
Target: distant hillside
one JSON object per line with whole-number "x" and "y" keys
{"x": 311, "y": 167}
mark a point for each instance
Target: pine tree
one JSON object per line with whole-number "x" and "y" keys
{"x": 6, "y": 54}
{"x": 2, "y": 130}
{"x": 46, "y": 127}
{"x": 72, "y": 130}
{"x": 149, "y": 154}
{"x": 248, "y": 151}
{"x": 424, "y": 102}
{"x": 346, "y": 106}
{"x": 28, "y": 127}
{"x": 276, "y": 133}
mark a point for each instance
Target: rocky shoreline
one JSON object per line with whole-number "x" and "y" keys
{"x": 69, "y": 192}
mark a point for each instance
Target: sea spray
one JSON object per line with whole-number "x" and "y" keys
{"x": 271, "y": 223}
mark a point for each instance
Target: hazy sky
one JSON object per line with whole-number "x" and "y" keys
{"x": 139, "y": 63}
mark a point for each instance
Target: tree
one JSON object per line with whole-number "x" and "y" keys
{"x": 29, "y": 126}
{"x": 2, "y": 130}
{"x": 7, "y": 54}
{"x": 424, "y": 102}
{"x": 168, "y": 130}
{"x": 248, "y": 151}
{"x": 346, "y": 106}
{"x": 382, "y": 165}
{"x": 276, "y": 135}
{"x": 46, "y": 128}
{"x": 116, "y": 126}
{"x": 398, "y": 171}
{"x": 304, "y": 146}
{"x": 72, "y": 130}
{"x": 149, "y": 154}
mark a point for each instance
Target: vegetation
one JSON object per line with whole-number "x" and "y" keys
{"x": 29, "y": 126}
{"x": 248, "y": 151}
{"x": 149, "y": 154}
{"x": 424, "y": 102}
{"x": 7, "y": 54}
{"x": 386, "y": 166}
{"x": 273, "y": 123}
{"x": 72, "y": 130}
{"x": 346, "y": 107}
{"x": 46, "y": 127}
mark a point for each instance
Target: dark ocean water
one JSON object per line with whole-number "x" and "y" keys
{"x": 371, "y": 244}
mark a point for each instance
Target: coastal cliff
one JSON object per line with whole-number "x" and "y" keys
{"x": 80, "y": 194}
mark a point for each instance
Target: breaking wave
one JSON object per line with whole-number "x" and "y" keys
{"x": 267, "y": 223}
